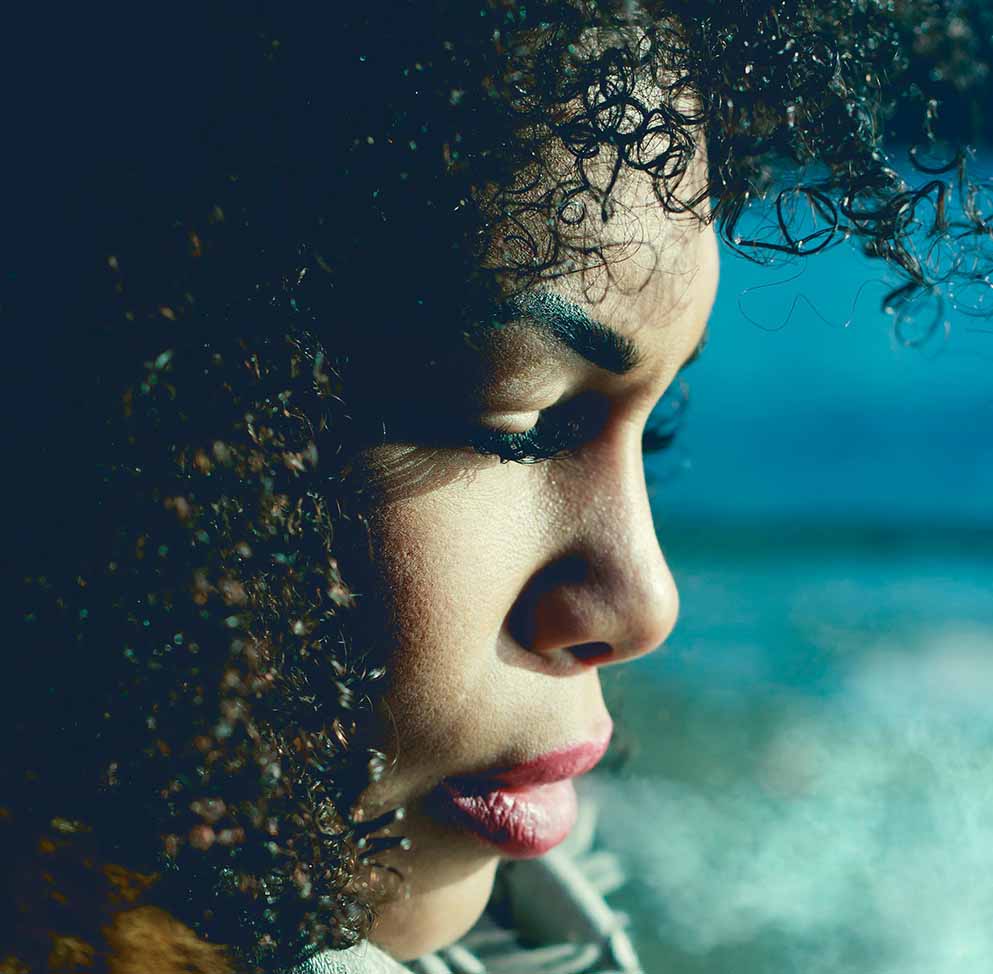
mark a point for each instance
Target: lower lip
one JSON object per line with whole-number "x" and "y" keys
{"x": 521, "y": 822}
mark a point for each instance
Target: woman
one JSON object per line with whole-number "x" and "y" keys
{"x": 320, "y": 644}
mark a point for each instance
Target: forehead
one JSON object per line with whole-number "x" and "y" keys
{"x": 614, "y": 249}
{"x": 657, "y": 279}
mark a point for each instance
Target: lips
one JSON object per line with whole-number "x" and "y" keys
{"x": 526, "y": 809}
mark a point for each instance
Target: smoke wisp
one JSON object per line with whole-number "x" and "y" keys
{"x": 857, "y": 838}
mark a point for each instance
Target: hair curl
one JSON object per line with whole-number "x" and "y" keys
{"x": 195, "y": 701}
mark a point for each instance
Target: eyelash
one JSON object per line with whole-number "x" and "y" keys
{"x": 561, "y": 430}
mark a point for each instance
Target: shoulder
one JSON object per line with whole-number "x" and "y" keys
{"x": 365, "y": 958}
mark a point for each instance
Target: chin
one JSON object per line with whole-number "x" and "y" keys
{"x": 417, "y": 924}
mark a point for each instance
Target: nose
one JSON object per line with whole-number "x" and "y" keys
{"x": 604, "y": 594}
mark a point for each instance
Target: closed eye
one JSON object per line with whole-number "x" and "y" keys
{"x": 559, "y": 431}
{"x": 563, "y": 429}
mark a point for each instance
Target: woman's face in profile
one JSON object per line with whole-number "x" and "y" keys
{"x": 509, "y": 584}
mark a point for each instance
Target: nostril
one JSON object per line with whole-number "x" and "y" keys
{"x": 592, "y": 653}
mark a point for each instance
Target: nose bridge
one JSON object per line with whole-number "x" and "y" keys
{"x": 630, "y": 576}
{"x": 608, "y": 583}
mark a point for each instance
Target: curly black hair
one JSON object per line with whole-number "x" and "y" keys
{"x": 251, "y": 204}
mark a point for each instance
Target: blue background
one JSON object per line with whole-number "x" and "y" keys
{"x": 807, "y": 761}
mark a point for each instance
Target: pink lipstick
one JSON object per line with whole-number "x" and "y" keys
{"x": 526, "y": 809}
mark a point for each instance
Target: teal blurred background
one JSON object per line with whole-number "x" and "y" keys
{"x": 809, "y": 775}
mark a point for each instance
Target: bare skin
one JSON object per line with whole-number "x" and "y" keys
{"x": 497, "y": 574}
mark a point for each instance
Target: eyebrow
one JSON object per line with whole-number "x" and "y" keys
{"x": 569, "y": 324}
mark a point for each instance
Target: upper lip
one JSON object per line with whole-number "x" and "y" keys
{"x": 558, "y": 765}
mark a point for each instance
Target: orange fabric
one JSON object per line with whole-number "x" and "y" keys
{"x": 148, "y": 940}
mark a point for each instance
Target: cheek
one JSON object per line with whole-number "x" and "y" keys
{"x": 451, "y": 565}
